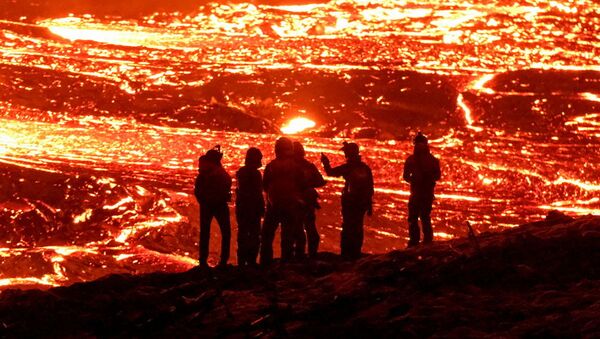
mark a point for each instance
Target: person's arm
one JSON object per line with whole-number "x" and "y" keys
{"x": 197, "y": 188}
{"x": 335, "y": 171}
{"x": 437, "y": 172}
{"x": 371, "y": 192}
{"x": 228, "y": 180}
{"x": 224, "y": 179}
{"x": 266, "y": 178}
{"x": 316, "y": 179}
{"x": 338, "y": 171}
{"x": 408, "y": 170}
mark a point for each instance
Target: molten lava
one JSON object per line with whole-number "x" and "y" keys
{"x": 297, "y": 125}
{"x": 102, "y": 119}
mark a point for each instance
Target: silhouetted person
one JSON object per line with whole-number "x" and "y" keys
{"x": 421, "y": 170}
{"x": 357, "y": 198}
{"x": 213, "y": 192}
{"x": 249, "y": 207}
{"x": 283, "y": 183}
{"x": 312, "y": 179}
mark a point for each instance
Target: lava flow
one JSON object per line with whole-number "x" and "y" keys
{"x": 102, "y": 118}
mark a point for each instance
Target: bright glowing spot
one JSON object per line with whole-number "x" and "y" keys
{"x": 443, "y": 235}
{"x": 590, "y": 96}
{"x": 298, "y": 8}
{"x": 468, "y": 114}
{"x": 135, "y": 38}
{"x": 85, "y": 216}
{"x": 479, "y": 84}
{"x": 297, "y": 125}
{"x": 119, "y": 203}
{"x": 6, "y": 142}
{"x": 452, "y": 37}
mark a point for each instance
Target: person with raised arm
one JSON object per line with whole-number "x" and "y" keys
{"x": 357, "y": 198}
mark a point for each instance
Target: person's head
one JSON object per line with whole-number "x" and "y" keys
{"x": 421, "y": 143}
{"x": 214, "y": 155}
{"x": 253, "y": 158}
{"x": 351, "y": 150}
{"x": 298, "y": 150}
{"x": 284, "y": 148}
{"x": 204, "y": 165}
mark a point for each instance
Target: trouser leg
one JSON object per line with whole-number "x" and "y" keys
{"x": 345, "y": 236}
{"x": 425, "y": 214}
{"x": 312, "y": 235}
{"x": 413, "y": 222}
{"x": 224, "y": 221}
{"x": 353, "y": 230}
{"x": 267, "y": 235}
{"x": 253, "y": 243}
{"x": 206, "y": 216}
{"x": 359, "y": 232}
{"x": 242, "y": 240}
{"x": 300, "y": 235}
{"x": 287, "y": 236}
{"x": 292, "y": 239}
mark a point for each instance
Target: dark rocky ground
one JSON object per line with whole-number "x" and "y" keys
{"x": 537, "y": 280}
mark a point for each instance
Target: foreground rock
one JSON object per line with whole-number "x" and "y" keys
{"x": 540, "y": 280}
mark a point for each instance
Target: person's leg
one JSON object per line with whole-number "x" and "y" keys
{"x": 359, "y": 232}
{"x": 206, "y": 216}
{"x": 267, "y": 235}
{"x": 223, "y": 218}
{"x": 425, "y": 214}
{"x": 242, "y": 235}
{"x": 354, "y": 232}
{"x": 414, "y": 233}
{"x": 345, "y": 235}
{"x": 297, "y": 215}
{"x": 312, "y": 235}
{"x": 253, "y": 238}
{"x": 288, "y": 233}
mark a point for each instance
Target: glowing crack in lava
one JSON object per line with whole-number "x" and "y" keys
{"x": 102, "y": 120}
{"x": 297, "y": 125}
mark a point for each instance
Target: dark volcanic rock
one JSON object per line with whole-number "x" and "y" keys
{"x": 537, "y": 280}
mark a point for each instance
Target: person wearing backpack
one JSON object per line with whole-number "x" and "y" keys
{"x": 357, "y": 198}
{"x": 213, "y": 191}
{"x": 421, "y": 171}
{"x": 283, "y": 183}
{"x": 310, "y": 196}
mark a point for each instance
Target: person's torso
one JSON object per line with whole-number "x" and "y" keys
{"x": 358, "y": 181}
{"x": 423, "y": 175}
{"x": 285, "y": 182}
{"x": 249, "y": 186}
{"x": 215, "y": 186}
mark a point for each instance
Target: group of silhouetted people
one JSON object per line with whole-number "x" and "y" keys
{"x": 289, "y": 184}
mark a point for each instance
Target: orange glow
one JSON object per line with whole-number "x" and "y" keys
{"x": 297, "y": 125}
{"x": 468, "y": 114}
{"x": 108, "y": 116}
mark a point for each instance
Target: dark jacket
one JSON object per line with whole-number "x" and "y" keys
{"x": 283, "y": 181}
{"x": 313, "y": 179}
{"x": 213, "y": 186}
{"x": 358, "y": 178}
{"x": 249, "y": 191}
{"x": 422, "y": 170}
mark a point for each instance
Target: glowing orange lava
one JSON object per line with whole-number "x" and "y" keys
{"x": 102, "y": 119}
{"x": 297, "y": 125}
